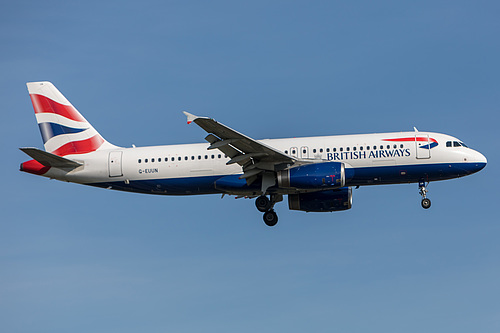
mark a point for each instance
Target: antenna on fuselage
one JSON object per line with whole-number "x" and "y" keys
{"x": 415, "y": 129}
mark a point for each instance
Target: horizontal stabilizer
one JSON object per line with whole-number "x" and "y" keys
{"x": 50, "y": 160}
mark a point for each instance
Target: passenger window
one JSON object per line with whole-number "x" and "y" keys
{"x": 199, "y": 157}
{"x": 401, "y": 146}
{"x": 146, "y": 160}
{"x": 347, "y": 149}
{"x": 354, "y": 148}
{"x": 341, "y": 149}
{"x": 327, "y": 150}
{"x": 395, "y": 146}
{"x": 367, "y": 147}
{"x": 314, "y": 151}
{"x": 388, "y": 146}
{"x": 361, "y": 148}
{"x": 374, "y": 147}
{"x": 286, "y": 152}
{"x": 334, "y": 150}
{"x": 219, "y": 156}
{"x": 139, "y": 161}
{"x": 293, "y": 152}
{"x": 321, "y": 150}
{"x": 192, "y": 158}
{"x": 213, "y": 156}
{"x": 206, "y": 157}
{"x": 186, "y": 158}
{"x": 173, "y": 159}
{"x": 159, "y": 159}
{"x": 152, "y": 160}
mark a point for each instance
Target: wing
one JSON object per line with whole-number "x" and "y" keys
{"x": 255, "y": 158}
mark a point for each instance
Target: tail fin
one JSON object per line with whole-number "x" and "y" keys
{"x": 64, "y": 130}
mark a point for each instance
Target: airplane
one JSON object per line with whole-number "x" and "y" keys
{"x": 316, "y": 173}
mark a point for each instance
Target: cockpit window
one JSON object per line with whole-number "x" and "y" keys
{"x": 455, "y": 144}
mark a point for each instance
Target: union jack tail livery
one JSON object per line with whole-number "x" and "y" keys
{"x": 64, "y": 130}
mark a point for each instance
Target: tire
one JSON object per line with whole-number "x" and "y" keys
{"x": 426, "y": 203}
{"x": 263, "y": 203}
{"x": 270, "y": 218}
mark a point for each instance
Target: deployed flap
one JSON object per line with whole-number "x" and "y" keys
{"x": 240, "y": 148}
{"x": 50, "y": 160}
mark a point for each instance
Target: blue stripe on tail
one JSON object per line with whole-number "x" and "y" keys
{"x": 50, "y": 130}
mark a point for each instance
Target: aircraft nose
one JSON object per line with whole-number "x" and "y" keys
{"x": 478, "y": 160}
{"x": 482, "y": 158}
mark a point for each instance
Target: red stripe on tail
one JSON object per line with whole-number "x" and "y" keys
{"x": 42, "y": 104}
{"x": 80, "y": 147}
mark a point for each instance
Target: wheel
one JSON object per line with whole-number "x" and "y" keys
{"x": 270, "y": 218}
{"x": 262, "y": 203}
{"x": 426, "y": 203}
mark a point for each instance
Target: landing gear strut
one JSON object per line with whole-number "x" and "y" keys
{"x": 426, "y": 203}
{"x": 265, "y": 205}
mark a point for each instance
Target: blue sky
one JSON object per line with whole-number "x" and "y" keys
{"x": 82, "y": 259}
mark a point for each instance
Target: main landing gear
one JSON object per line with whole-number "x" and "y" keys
{"x": 265, "y": 205}
{"x": 426, "y": 203}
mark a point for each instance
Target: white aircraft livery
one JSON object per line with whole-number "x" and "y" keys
{"x": 316, "y": 173}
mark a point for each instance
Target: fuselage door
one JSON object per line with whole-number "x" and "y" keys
{"x": 423, "y": 146}
{"x": 115, "y": 164}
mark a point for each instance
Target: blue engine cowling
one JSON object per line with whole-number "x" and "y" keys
{"x": 323, "y": 201}
{"x": 313, "y": 176}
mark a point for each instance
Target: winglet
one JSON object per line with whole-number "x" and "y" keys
{"x": 190, "y": 117}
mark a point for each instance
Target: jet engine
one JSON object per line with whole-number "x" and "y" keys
{"x": 313, "y": 176}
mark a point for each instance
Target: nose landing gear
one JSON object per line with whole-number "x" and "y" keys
{"x": 426, "y": 203}
{"x": 265, "y": 205}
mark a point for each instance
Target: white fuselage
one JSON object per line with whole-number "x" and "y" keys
{"x": 193, "y": 161}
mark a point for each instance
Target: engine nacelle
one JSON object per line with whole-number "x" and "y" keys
{"x": 322, "y": 201}
{"x": 313, "y": 176}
